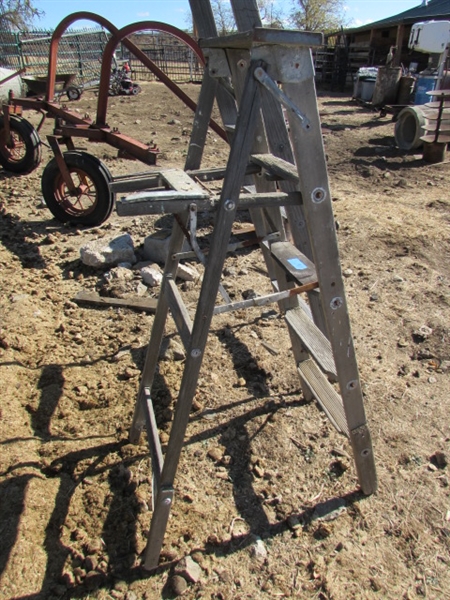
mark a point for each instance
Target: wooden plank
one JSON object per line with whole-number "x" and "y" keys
{"x": 201, "y": 121}
{"x": 272, "y": 199}
{"x": 436, "y": 104}
{"x": 142, "y": 304}
{"x": 262, "y": 35}
{"x": 443, "y": 93}
{"x": 276, "y": 165}
{"x": 179, "y": 311}
{"x": 294, "y": 262}
{"x": 146, "y": 203}
{"x": 180, "y": 181}
{"x": 149, "y": 180}
{"x": 440, "y": 138}
{"x": 206, "y": 27}
{"x": 435, "y": 113}
{"x": 312, "y": 339}
{"x": 324, "y": 393}
{"x": 167, "y": 202}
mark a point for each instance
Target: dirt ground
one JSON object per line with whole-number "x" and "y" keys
{"x": 259, "y": 462}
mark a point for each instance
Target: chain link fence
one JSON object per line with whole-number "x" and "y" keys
{"x": 80, "y": 55}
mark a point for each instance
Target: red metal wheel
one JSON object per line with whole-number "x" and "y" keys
{"x": 92, "y": 201}
{"x": 20, "y": 151}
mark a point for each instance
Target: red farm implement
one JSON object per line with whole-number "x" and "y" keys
{"x": 75, "y": 184}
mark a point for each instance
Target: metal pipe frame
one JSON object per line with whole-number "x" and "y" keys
{"x": 119, "y": 35}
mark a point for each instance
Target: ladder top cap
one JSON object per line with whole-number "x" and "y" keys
{"x": 264, "y": 36}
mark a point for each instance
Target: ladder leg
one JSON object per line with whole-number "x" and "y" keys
{"x": 238, "y": 159}
{"x": 201, "y": 122}
{"x": 320, "y": 221}
{"x": 154, "y": 345}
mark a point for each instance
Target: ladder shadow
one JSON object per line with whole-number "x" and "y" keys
{"x": 65, "y": 468}
{"x": 50, "y": 384}
{"x": 12, "y": 506}
{"x": 244, "y": 363}
{"x": 306, "y": 518}
{"x": 235, "y": 437}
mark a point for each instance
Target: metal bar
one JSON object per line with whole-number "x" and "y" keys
{"x": 65, "y": 173}
{"x": 272, "y": 87}
{"x": 264, "y": 300}
{"x": 6, "y": 79}
{"x": 179, "y": 312}
{"x": 153, "y": 438}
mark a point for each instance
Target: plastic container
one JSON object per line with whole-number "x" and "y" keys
{"x": 367, "y": 89}
{"x": 425, "y": 83}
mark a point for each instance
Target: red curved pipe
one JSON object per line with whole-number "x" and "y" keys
{"x": 121, "y": 35}
{"x": 56, "y": 37}
{"x": 117, "y": 36}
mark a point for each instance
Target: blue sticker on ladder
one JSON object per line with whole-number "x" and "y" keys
{"x": 297, "y": 264}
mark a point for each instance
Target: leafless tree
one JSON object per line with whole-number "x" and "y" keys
{"x": 17, "y": 14}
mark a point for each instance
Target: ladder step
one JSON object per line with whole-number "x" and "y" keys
{"x": 299, "y": 268}
{"x": 276, "y": 166}
{"x": 161, "y": 202}
{"x": 325, "y": 394}
{"x": 313, "y": 340}
{"x": 179, "y": 311}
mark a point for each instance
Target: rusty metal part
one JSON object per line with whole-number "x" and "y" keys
{"x": 65, "y": 173}
{"x": 117, "y": 36}
{"x": 7, "y": 110}
{"x": 15, "y": 74}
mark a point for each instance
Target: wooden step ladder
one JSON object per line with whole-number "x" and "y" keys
{"x": 290, "y": 176}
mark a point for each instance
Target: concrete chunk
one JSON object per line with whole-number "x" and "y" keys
{"x": 101, "y": 253}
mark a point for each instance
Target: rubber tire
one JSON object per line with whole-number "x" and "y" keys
{"x": 90, "y": 166}
{"x": 136, "y": 89}
{"x": 73, "y": 93}
{"x": 409, "y": 128}
{"x": 31, "y": 140}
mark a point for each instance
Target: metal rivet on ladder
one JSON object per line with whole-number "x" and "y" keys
{"x": 196, "y": 352}
{"x": 351, "y": 385}
{"x": 318, "y": 195}
{"x": 229, "y": 205}
{"x": 365, "y": 452}
{"x": 336, "y": 303}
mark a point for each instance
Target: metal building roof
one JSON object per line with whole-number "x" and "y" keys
{"x": 427, "y": 11}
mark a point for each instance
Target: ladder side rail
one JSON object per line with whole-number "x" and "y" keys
{"x": 157, "y": 333}
{"x": 201, "y": 120}
{"x": 247, "y": 16}
{"x": 204, "y": 21}
{"x": 238, "y": 62}
{"x": 237, "y": 162}
{"x": 320, "y": 219}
